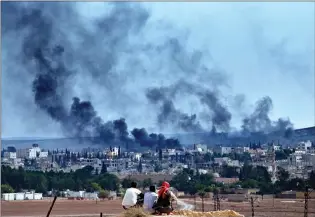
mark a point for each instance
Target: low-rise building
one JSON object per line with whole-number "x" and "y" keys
{"x": 31, "y": 153}
{"x": 240, "y": 150}
{"x": 10, "y": 153}
{"x": 222, "y": 150}
{"x": 222, "y": 160}
{"x": 116, "y": 165}
{"x": 304, "y": 146}
{"x": 22, "y": 196}
{"x": 226, "y": 180}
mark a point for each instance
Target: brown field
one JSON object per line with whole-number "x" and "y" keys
{"x": 264, "y": 208}
{"x": 61, "y": 208}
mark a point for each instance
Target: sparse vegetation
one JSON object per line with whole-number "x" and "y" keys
{"x": 6, "y": 189}
{"x": 103, "y": 194}
{"x": 135, "y": 212}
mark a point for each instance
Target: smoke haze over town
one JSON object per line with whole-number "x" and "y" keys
{"x": 103, "y": 69}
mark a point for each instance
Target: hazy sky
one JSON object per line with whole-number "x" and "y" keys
{"x": 264, "y": 48}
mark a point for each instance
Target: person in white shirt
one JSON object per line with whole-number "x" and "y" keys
{"x": 131, "y": 196}
{"x": 149, "y": 199}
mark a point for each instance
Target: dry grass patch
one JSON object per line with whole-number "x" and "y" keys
{"x": 135, "y": 212}
{"x": 224, "y": 213}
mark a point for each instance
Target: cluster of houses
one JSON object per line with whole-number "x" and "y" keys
{"x": 78, "y": 195}
{"x": 22, "y": 196}
{"x": 165, "y": 161}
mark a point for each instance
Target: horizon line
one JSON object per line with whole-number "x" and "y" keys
{"x": 57, "y": 137}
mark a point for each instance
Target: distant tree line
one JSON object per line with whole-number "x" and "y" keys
{"x": 88, "y": 179}
{"x": 81, "y": 179}
{"x": 187, "y": 180}
{"x": 249, "y": 177}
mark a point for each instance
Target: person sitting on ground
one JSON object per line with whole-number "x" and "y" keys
{"x": 165, "y": 198}
{"x": 150, "y": 198}
{"x": 131, "y": 196}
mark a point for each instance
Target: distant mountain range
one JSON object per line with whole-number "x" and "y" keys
{"x": 45, "y": 143}
{"x": 186, "y": 139}
{"x": 297, "y": 135}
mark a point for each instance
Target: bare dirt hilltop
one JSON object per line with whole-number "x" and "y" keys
{"x": 86, "y": 208}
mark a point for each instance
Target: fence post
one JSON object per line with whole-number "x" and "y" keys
{"x": 52, "y": 205}
{"x": 202, "y": 202}
{"x": 101, "y": 214}
{"x": 252, "y": 203}
{"x": 306, "y": 196}
{"x": 273, "y": 200}
{"x": 218, "y": 202}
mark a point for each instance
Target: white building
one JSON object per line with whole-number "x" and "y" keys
{"x": 10, "y": 155}
{"x": 135, "y": 156}
{"x": 90, "y": 195}
{"x": 34, "y": 152}
{"x": 222, "y": 160}
{"x": 38, "y": 196}
{"x": 20, "y": 196}
{"x": 29, "y": 196}
{"x": 8, "y": 196}
{"x": 226, "y": 150}
{"x": 113, "y": 152}
{"x": 31, "y": 153}
{"x": 295, "y": 159}
{"x": 277, "y": 147}
{"x": 75, "y": 193}
{"x": 43, "y": 154}
{"x": 201, "y": 147}
{"x": 304, "y": 146}
{"x": 233, "y": 163}
{"x": 240, "y": 150}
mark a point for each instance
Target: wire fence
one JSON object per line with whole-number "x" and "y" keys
{"x": 256, "y": 206}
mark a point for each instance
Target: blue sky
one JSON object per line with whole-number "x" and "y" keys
{"x": 264, "y": 49}
{"x": 240, "y": 36}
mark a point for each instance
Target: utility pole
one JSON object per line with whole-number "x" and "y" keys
{"x": 218, "y": 202}
{"x": 273, "y": 200}
{"x": 51, "y": 206}
{"x": 252, "y": 204}
{"x": 306, "y": 196}
{"x": 272, "y": 160}
{"x": 203, "y": 204}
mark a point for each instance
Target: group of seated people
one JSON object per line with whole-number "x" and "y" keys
{"x": 155, "y": 203}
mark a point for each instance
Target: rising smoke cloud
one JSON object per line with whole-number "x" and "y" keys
{"x": 56, "y": 50}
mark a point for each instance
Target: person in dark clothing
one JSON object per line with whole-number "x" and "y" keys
{"x": 164, "y": 201}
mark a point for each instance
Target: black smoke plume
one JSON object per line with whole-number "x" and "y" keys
{"x": 260, "y": 122}
{"x": 169, "y": 114}
{"x": 219, "y": 115}
{"x": 51, "y": 57}
{"x": 52, "y": 75}
{"x": 150, "y": 140}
